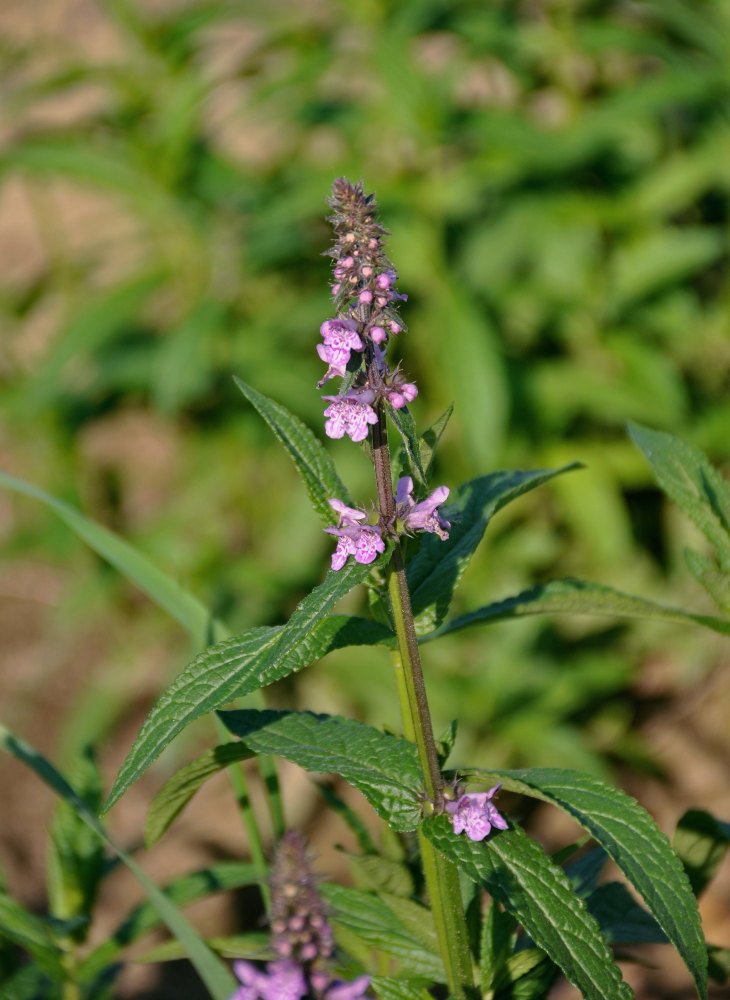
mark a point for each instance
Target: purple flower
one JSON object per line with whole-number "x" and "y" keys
{"x": 350, "y": 414}
{"x": 401, "y": 393}
{"x": 363, "y": 541}
{"x": 423, "y": 516}
{"x": 282, "y": 981}
{"x": 340, "y": 338}
{"x": 476, "y": 814}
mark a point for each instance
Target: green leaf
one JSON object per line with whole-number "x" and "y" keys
{"x": 383, "y": 767}
{"x": 214, "y": 974}
{"x": 378, "y": 874}
{"x": 701, "y": 841}
{"x": 179, "y": 790}
{"x": 406, "y": 427}
{"x": 388, "y": 988}
{"x": 692, "y": 482}
{"x": 715, "y": 582}
{"x": 527, "y": 975}
{"x": 369, "y": 917}
{"x": 31, "y": 983}
{"x": 430, "y": 438}
{"x": 76, "y": 856}
{"x": 719, "y": 963}
{"x": 577, "y": 597}
{"x": 158, "y": 586}
{"x": 221, "y": 877}
{"x": 632, "y": 839}
{"x": 255, "y": 947}
{"x": 496, "y": 942}
{"x": 237, "y": 666}
{"x": 312, "y": 461}
{"x": 621, "y": 918}
{"x": 516, "y": 873}
{"x": 436, "y": 568}
{"x": 30, "y": 932}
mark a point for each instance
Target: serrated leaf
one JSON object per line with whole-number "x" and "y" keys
{"x": 715, "y": 582}
{"x": 388, "y": 988}
{"x": 406, "y": 427}
{"x": 383, "y": 767}
{"x": 368, "y": 917}
{"x": 221, "y": 877}
{"x": 578, "y": 597}
{"x": 516, "y": 872}
{"x": 30, "y": 933}
{"x": 416, "y": 918}
{"x": 377, "y": 874}
{"x": 214, "y": 974}
{"x": 237, "y": 666}
{"x": 527, "y": 975}
{"x": 311, "y": 459}
{"x": 621, "y": 918}
{"x": 694, "y": 484}
{"x": 437, "y": 567}
{"x": 632, "y": 839}
{"x": 180, "y": 788}
{"x": 701, "y": 842}
{"x": 159, "y": 587}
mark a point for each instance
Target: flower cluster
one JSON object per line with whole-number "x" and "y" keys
{"x": 301, "y": 936}
{"x": 475, "y": 814}
{"x": 423, "y": 516}
{"x": 363, "y": 541}
{"x": 366, "y": 301}
{"x": 353, "y": 347}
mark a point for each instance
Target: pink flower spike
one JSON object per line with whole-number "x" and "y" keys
{"x": 476, "y": 815}
{"x": 394, "y": 327}
{"x": 366, "y": 296}
{"x": 378, "y": 334}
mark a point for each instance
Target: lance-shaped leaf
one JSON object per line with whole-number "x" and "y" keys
{"x": 406, "y": 427}
{"x": 311, "y": 459}
{"x": 237, "y": 666}
{"x": 435, "y": 570}
{"x": 694, "y": 484}
{"x": 179, "y": 790}
{"x": 577, "y": 597}
{"x": 430, "y": 438}
{"x": 518, "y": 874}
{"x": 383, "y": 767}
{"x": 632, "y": 839}
{"x": 374, "y": 922}
{"x": 215, "y": 975}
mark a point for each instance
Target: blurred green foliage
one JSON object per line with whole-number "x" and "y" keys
{"x": 556, "y": 178}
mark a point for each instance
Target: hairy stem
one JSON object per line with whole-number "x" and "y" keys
{"x": 440, "y": 874}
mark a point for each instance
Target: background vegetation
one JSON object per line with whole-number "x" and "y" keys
{"x": 556, "y": 178}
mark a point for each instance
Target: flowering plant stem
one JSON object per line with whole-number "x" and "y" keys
{"x": 442, "y": 880}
